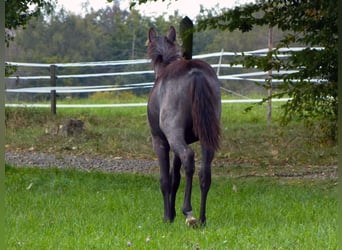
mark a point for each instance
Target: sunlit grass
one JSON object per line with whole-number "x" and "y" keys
{"x": 69, "y": 209}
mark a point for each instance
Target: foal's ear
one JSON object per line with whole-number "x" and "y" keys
{"x": 172, "y": 34}
{"x": 152, "y": 34}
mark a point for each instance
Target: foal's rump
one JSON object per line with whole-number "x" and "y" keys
{"x": 191, "y": 93}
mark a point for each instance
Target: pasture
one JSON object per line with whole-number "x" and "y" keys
{"x": 247, "y": 139}
{"x": 70, "y": 209}
{"x": 248, "y": 206}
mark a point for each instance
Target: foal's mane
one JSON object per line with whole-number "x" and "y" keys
{"x": 163, "y": 49}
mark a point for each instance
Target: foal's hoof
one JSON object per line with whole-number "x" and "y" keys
{"x": 191, "y": 222}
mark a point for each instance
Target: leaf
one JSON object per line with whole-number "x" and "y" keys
{"x": 29, "y": 186}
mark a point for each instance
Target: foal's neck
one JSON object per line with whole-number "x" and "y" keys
{"x": 160, "y": 67}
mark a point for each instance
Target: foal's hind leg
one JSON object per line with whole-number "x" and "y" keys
{"x": 162, "y": 149}
{"x": 186, "y": 155}
{"x": 205, "y": 180}
{"x": 175, "y": 180}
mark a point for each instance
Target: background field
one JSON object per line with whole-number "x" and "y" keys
{"x": 247, "y": 139}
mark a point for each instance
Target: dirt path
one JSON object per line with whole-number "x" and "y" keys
{"x": 46, "y": 160}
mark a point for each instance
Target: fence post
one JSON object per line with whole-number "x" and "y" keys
{"x": 186, "y": 32}
{"x": 269, "y": 91}
{"x": 53, "y": 92}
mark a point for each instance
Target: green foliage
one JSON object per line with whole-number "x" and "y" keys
{"x": 69, "y": 209}
{"x": 107, "y": 34}
{"x": 310, "y": 23}
{"x": 111, "y": 33}
{"x": 135, "y": 2}
{"x": 114, "y": 33}
{"x": 101, "y": 96}
{"x": 121, "y": 96}
{"x": 19, "y": 12}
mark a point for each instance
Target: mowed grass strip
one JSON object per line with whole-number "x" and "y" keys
{"x": 70, "y": 209}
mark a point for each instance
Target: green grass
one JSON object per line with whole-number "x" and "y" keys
{"x": 247, "y": 139}
{"x": 69, "y": 209}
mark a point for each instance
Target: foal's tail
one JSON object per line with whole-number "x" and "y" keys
{"x": 206, "y": 123}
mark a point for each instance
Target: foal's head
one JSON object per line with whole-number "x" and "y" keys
{"x": 163, "y": 49}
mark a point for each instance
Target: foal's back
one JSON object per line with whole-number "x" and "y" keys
{"x": 171, "y": 99}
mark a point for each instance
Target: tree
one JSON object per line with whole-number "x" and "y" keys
{"x": 311, "y": 23}
{"x": 19, "y": 12}
{"x": 305, "y": 22}
{"x": 107, "y": 34}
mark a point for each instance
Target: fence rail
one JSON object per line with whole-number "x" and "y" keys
{"x": 259, "y": 77}
{"x": 125, "y": 105}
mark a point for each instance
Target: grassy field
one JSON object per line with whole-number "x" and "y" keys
{"x": 247, "y": 139}
{"x": 69, "y": 209}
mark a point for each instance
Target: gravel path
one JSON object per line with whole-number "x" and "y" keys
{"x": 46, "y": 160}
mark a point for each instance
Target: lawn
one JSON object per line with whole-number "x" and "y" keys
{"x": 70, "y": 209}
{"x": 247, "y": 138}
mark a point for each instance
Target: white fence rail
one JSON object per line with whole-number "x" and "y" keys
{"x": 53, "y": 89}
{"x": 124, "y": 105}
